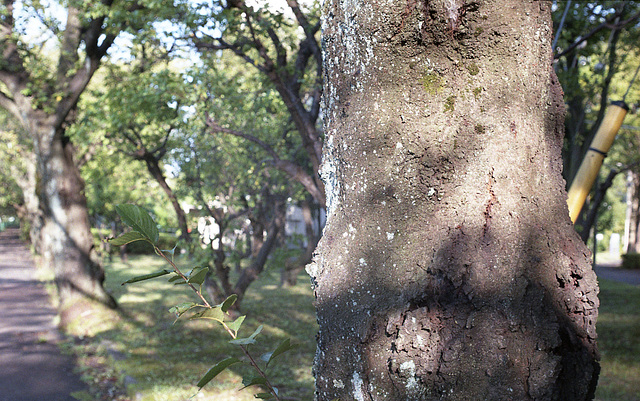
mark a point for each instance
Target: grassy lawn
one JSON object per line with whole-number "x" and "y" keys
{"x": 160, "y": 360}
{"x": 619, "y": 341}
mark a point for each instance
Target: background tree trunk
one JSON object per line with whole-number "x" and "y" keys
{"x": 293, "y": 266}
{"x": 66, "y": 232}
{"x": 45, "y": 108}
{"x": 631, "y": 216}
{"x": 153, "y": 166}
{"x": 55, "y": 210}
{"x": 448, "y": 268}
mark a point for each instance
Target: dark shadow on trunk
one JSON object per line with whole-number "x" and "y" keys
{"x": 448, "y": 268}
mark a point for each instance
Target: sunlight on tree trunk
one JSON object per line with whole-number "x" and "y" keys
{"x": 44, "y": 102}
{"x": 449, "y": 268}
{"x": 66, "y": 234}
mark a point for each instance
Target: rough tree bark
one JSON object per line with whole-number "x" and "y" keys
{"x": 67, "y": 241}
{"x": 448, "y": 268}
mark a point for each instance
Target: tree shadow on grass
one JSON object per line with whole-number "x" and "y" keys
{"x": 158, "y": 353}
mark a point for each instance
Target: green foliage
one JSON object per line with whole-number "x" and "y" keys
{"x": 140, "y": 221}
{"x": 247, "y": 340}
{"x": 198, "y": 275}
{"x": 631, "y": 261}
{"x": 282, "y": 348}
{"x": 144, "y": 229}
{"x": 432, "y": 82}
{"x": 165, "y": 241}
{"x": 126, "y": 238}
{"x": 15, "y": 151}
{"x": 135, "y": 110}
{"x": 216, "y": 370}
{"x": 147, "y": 276}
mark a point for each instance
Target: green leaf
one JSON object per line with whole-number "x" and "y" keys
{"x": 214, "y": 313}
{"x": 282, "y": 348}
{"x": 138, "y": 219}
{"x": 82, "y": 396}
{"x": 247, "y": 340}
{"x": 216, "y": 370}
{"x": 252, "y": 381}
{"x": 198, "y": 275}
{"x": 180, "y": 309}
{"x": 231, "y": 299}
{"x": 147, "y": 276}
{"x": 176, "y": 278}
{"x": 264, "y": 396}
{"x": 170, "y": 251}
{"x": 242, "y": 341}
{"x": 235, "y": 325}
{"x": 126, "y": 238}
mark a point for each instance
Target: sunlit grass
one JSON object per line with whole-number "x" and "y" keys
{"x": 164, "y": 360}
{"x": 619, "y": 341}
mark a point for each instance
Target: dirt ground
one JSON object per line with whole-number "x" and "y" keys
{"x": 32, "y": 368}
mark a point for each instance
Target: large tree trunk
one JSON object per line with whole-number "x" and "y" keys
{"x": 448, "y": 268}
{"x": 68, "y": 243}
{"x": 44, "y": 108}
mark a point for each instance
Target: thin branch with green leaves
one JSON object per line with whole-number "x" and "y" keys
{"x": 144, "y": 229}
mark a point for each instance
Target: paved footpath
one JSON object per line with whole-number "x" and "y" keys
{"x": 611, "y": 271}
{"x": 32, "y": 368}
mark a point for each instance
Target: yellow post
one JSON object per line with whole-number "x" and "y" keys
{"x": 592, "y": 162}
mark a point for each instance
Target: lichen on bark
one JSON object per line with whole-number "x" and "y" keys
{"x": 448, "y": 268}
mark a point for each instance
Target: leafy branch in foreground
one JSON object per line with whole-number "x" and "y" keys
{"x": 144, "y": 229}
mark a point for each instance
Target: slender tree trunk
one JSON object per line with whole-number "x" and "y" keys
{"x": 591, "y": 213}
{"x": 218, "y": 282}
{"x": 220, "y": 287}
{"x": 448, "y": 268}
{"x": 257, "y": 235}
{"x": 289, "y": 274}
{"x": 67, "y": 241}
{"x": 632, "y": 216}
{"x": 156, "y": 172}
{"x": 258, "y": 261}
